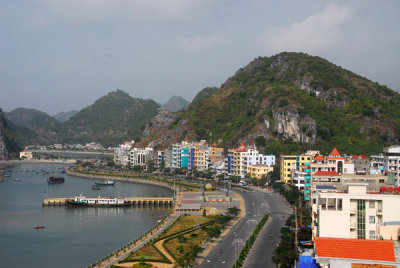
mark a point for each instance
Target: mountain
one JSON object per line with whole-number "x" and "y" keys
{"x": 208, "y": 91}
{"x": 110, "y": 120}
{"x": 8, "y": 146}
{"x": 64, "y": 116}
{"x": 289, "y": 103}
{"x": 33, "y": 126}
{"x": 175, "y": 103}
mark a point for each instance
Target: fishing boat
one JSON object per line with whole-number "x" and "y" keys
{"x": 95, "y": 187}
{"x": 17, "y": 179}
{"x": 106, "y": 183}
{"x": 38, "y": 227}
{"x": 97, "y": 201}
{"x": 52, "y": 180}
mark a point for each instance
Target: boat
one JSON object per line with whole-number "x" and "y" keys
{"x": 38, "y": 227}
{"x": 52, "y": 180}
{"x": 95, "y": 187}
{"x": 17, "y": 179}
{"x": 106, "y": 183}
{"x": 97, "y": 201}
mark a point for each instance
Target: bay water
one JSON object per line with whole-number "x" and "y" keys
{"x": 72, "y": 237}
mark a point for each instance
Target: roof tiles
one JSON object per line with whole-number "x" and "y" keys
{"x": 361, "y": 249}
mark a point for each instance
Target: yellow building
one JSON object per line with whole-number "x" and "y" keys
{"x": 216, "y": 151}
{"x": 25, "y": 154}
{"x": 257, "y": 171}
{"x": 289, "y": 163}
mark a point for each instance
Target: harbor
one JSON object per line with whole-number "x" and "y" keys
{"x": 127, "y": 201}
{"x": 68, "y": 229}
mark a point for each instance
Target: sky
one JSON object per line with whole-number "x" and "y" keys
{"x": 62, "y": 55}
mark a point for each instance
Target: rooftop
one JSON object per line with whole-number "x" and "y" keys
{"x": 361, "y": 249}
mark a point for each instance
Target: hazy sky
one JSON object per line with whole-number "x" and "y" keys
{"x": 58, "y": 55}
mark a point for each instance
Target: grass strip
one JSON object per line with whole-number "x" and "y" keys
{"x": 249, "y": 243}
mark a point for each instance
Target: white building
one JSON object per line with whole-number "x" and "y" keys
{"x": 121, "y": 153}
{"x": 391, "y": 161}
{"x": 176, "y": 156}
{"x": 377, "y": 164}
{"x": 355, "y": 213}
{"x": 140, "y": 156}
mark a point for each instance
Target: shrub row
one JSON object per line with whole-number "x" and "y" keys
{"x": 249, "y": 243}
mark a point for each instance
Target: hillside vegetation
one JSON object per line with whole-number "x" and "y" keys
{"x": 291, "y": 102}
{"x": 112, "y": 119}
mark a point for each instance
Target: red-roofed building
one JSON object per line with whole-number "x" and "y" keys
{"x": 339, "y": 253}
{"x": 318, "y": 158}
{"x": 336, "y": 159}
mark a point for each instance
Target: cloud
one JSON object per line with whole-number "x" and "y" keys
{"x": 88, "y": 11}
{"x": 201, "y": 42}
{"x": 314, "y": 34}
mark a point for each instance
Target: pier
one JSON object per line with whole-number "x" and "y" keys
{"x": 131, "y": 201}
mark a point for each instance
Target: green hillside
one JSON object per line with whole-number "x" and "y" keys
{"x": 291, "y": 102}
{"x": 110, "y": 120}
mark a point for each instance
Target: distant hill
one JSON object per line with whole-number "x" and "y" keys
{"x": 204, "y": 93}
{"x": 288, "y": 103}
{"x": 110, "y": 120}
{"x": 8, "y": 146}
{"x": 175, "y": 103}
{"x": 32, "y": 125}
{"x": 64, "y": 116}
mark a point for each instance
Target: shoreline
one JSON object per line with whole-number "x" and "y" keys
{"x": 39, "y": 161}
{"x": 123, "y": 179}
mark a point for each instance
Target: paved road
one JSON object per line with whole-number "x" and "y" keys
{"x": 257, "y": 204}
{"x": 261, "y": 252}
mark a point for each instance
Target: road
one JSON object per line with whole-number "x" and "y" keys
{"x": 261, "y": 253}
{"x": 225, "y": 253}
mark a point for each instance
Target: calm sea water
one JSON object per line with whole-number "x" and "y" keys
{"x": 73, "y": 237}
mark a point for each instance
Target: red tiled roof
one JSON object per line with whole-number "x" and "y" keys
{"x": 326, "y": 173}
{"x": 354, "y": 157}
{"x": 334, "y": 152}
{"x": 361, "y": 156}
{"x": 242, "y": 148}
{"x": 360, "y": 249}
{"x": 319, "y": 158}
{"x": 334, "y": 158}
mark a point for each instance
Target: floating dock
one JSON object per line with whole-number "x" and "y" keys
{"x": 131, "y": 201}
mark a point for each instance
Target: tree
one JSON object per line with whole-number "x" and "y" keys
{"x": 162, "y": 165}
{"x": 150, "y": 166}
{"x": 234, "y": 211}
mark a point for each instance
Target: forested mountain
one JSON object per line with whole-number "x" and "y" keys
{"x": 33, "y": 126}
{"x": 8, "y": 146}
{"x": 175, "y": 103}
{"x": 288, "y": 103}
{"x": 110, "y": 120}
{"x": 64, "y": 116}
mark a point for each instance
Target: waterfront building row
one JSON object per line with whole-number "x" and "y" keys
{"x": 198, "y": 156}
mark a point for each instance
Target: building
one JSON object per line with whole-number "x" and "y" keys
{"x": 290, "y": 163}
{"x": 355, "y": 213}
{"x": 377, "y": 164}
{"x": 25, "y": 154}
{"x": 140, "y": 156}
{"x": 361, "y": 164}
{"x": 354, "y": 253}
{"x": 259, "y": 170}
{"x": 122, "y": 154}
{"x": 176, "y": 156}
{"x": 391, "y": 161}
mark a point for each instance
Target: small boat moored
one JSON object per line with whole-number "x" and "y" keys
{"x": 52, "y": 180}
{"x": 95, "y": 187}
{"x": 38, "y": 227}
{"x": 106, "y": 183}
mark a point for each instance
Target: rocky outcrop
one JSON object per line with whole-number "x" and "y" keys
{"x": 289, "y": 125}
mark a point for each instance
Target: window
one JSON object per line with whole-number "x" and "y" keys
{"x": 371, "y": 204}
{"x": 371, "y": 219}
{"x": 339, "y": 204}
{"x": 361, "y": 219}
{"x": 372, "y": 235}
{"x": 322, "y": 202}
{"x": 332, "y": 203}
